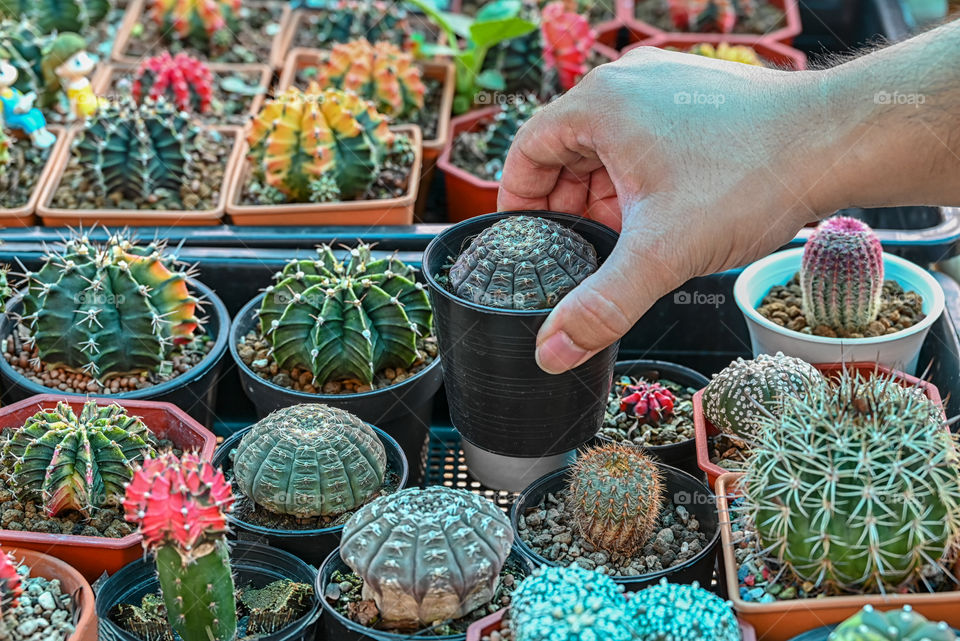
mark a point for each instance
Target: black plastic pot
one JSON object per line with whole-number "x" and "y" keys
{"x": 682, "y": 456}
{"x": 403, "y": 410}
{"x": 336, "y": 627}
{"x": 681, "y": 488}
{"x": 194, "y": 391}
{"x": 312, "y": 546}
{"x": 500, "y": 400}
{"x": 252, "y": 564}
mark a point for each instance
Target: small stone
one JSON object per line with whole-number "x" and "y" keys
{"x": 46, "y": 601}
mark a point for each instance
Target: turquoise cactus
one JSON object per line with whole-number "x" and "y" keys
{"x": 894, "y": 625}
{"x": 679, "y": 612}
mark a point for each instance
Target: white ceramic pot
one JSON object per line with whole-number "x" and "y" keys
{"x": 899, "y": 351}
{"x": 510, "y": 473}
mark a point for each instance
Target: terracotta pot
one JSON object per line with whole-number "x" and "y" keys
{"x": 94, "y": 555}
{"x": 774, "y": 53}
{"x": 23, "y": 216}
{"x": 467, "y": 195}
{"x": 704, "y": 429}
{"x": 386, "y": 211}
{"x": 785, "y": 34}
{"x": 783, "y": 620}
{"x": 71, "y": 582}
{"x": 55, "y": 217}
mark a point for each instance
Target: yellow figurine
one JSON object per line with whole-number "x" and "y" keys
{"x": 67, "y": 66}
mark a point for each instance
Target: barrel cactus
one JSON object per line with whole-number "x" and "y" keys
{"x": 345, "y": 319}
{"x": 427, "y": 555}
{"x": 375, "y": 20}
{"x": 702, "y": 16}
{"x": 679, "y": 612}
{"x": 647, "y": 402}
{"x": 567, "y": 41}
{"x": 894, "y": 625}
{"x": 53, "y": 16}
{"x": 733, "y": 399}
{"x": 841, "y": 275}
{"x": 310, "y": 460}
{"x": 207, "y": 25}
{"x": 22, "y": 45}
{"x": 11, "y": 587}
{"x": 184, "y": 81}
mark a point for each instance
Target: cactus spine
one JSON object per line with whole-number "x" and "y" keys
{"x": 207, "y": 25}
{"x": 895, "y": 625}
{"x": 375, "y": 20}
{"x": 648, "y": 402}
{"x": 709, "y": 15}
{"x": 11, "y": 586}
{"x": 567, "y": 41}
{"x": 678, "y": 612}
{"x": 184, "y": 81}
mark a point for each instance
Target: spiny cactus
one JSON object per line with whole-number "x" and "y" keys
{"x": 53, "y": 16}
{"x": 841, "y": 275}
{"x": 522, "y": 262}
{"x": 648, "y": 402}
{"x": 345, "y": 319}
{"x": 731, "y": 399}
{"x": 725, "y": 51}
{"x": 854, "y": 487}
{"x": 894, "y": 625}
{"x": 310, "y": 460}
{"x": 520, "y": 61}
{"x": 184, "y": 81}
{"x": 10, "y": 584}
{"x": 678, "y": 612}
{"x": 380, "y": 72}
{"x": 427, "y": 555}
{"x": 572, "y": 604}
{"x": 502, "y": 129}
{"x": 375, "y": 20}
{"x": 71, "y": 462}
{"x": 567, "y": 41}
{"x": 180, "y": 505}
{"x": 22, "y": 44}
{"x": 208, "y": 25}
{"x": 709, "y": 15}
{"x": 616, "y": 492}
{"x": 108, "y": 310}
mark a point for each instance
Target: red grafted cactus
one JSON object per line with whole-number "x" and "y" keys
{"x": 181, "y": 79}
{"x": 708, "y": 15}
{"x": 567, "y": 40}
{"x": 10, "y": 584}
{"x": 648, "y": 402}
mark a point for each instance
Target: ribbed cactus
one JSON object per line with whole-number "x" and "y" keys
{"x": 502, "y": 129}
{"x": 725, "y": 51}
{"x": 522, "y": 262}
{"x": 567, "y": 41}
{"x": 51, "y": 16}
{"x": 616, "y": 493}
{"x": 894, "y": 625}
{"x": 709, "y": 15}
{"x": 10, "y": 584}
{"x": 22, "y": 44}
{"x": 208, "y": 25}
{"x": 731, "y": 399}
{"x": 180, "y": 506}
{"x": 571, "y": 604}
{"x": 71, "y": 462}
{"x": 648, "y": 402}
{"x": 374, "y": 20}
{"x": 345, "y": 319}
{"x": 427, "y": 555}
{"x": 679, "y": 612}
{"x": 521, "y": 62}
{"x": 855, "y": 487}
{"x": 310, "y": 460}
{"x": 184, "y": 81}
{"x": 381, "y": 73}
{"x": 841, "y": 275}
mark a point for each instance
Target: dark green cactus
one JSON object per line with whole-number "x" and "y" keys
{"x": 675, "y": 612}
{"x": 310, "y": 460}
{"x": 22, "y": 45}
{"x": 520, "y": 61}
{"x": 500, "y": 132}
{"x": 345, "y": 319}
{"x": 374, "y": 20}
{"x": 894, "y": 625}
{"x": 52, "y": 16}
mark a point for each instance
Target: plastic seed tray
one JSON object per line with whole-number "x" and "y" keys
{"x": 445, "y": 466}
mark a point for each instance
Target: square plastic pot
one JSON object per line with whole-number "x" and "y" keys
{"x": 23, "y": 216}
{"x": 468, "y": 196}
{"x": 773, "y": 53}
{"x": 71, "y": 582}
{"x": 785, "y": 34}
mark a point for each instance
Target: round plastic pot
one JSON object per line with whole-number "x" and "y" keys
{"x": 312, "y": 546}
{"x": 71, "y": 582}
{"x": 336, "y": 627}
{"x": 899, "y": 350}
{"x": 683, "y": 489}
{"x": 500, "y": 400}
{"x": 194, "y": 391}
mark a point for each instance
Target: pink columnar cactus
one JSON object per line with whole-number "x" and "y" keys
{"x": 186, "y": 81}
{"x": 700, "y": 16}
{"x": 841, "y": 275}
{"x": 567, "y": 40}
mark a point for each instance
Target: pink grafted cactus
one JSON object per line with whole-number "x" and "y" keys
{"x": 186, "y": 81}
{"x": 648, "y": 402}
{"x": 700, "y": 16}
{"x": 841, "y": 275}
{"x": 567, "y": 40}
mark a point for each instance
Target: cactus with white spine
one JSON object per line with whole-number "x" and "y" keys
{"x": 902, "y": 624}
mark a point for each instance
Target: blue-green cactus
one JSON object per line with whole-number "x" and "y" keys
{"x": 894, "y": 625}
{"x": 679, "y": 612}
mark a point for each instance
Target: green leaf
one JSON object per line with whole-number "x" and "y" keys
{"x": 457, "y": 23}
{"x": 499, "y": 10}
{"x": 492, "y": 79}
{"x": 487, "y": 34}
{"x": 432, "y": 50}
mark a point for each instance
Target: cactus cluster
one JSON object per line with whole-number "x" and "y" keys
{"x": 738, "y": 397}
{"x": 894, "y": 625}
{"x": 567, "y": 41}
{"x": 184, "y": 81}
{"x": 22, "y": 45}
{"x": 841, "y": 275}
{"x": 208, "y": 25}
{"x": 522, "y": 262}
{"x": 310, "y": 460}
{"x": 709, "y": 15}
{"x": 57, "y": 16}
{"x": 345, "y": 319}
{"x": 647, "y": 402}
{"x": 180, "y": 505}
{"x": 427, "y": 555}
{"x": 376, "y": 20}
{"x": 731, "y": 53}
{"x": 10, "y": 583}
{"x": 679, "y": 612}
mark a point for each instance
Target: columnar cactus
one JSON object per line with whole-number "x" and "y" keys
{"x": 567, "y": 41}
{"x": 53, "y": 16}
{"x": 733, "y": 399}
{"x": 679, "y": 612}
{"x": 10, "y": 584}
{"x": 71, "y": 462}
{"x": 427, "y": 555}
{"x": 841, "y": 275}
{"x": 522, "y": 262}
{"x": 22, "y": 44}
{"x": 894, "y": 625}
{"x": 375, "y": 20}
{"x": 648, "y": 402}
{"x": 380, "y": 72}
{"x": 616, "y": 492}
{"x": 205, "y": 24}
{"x": 310, "y": 460}
{"x": 854, "y": 487}
{"x": 345, "y": 319}
{"x": 180, "y": 505}
{"x": 725, "y": 51}
{"x": 709, "y": 15}
{"x": 184, "y": 81}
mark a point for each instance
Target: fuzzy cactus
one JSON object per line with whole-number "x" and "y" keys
{"x": 854, "y": 487}
{"x": 567, "y": 41}
{"x": 184, "y": 81}
{"x": 427, "y": 555}
{"x": 731, "y": 53}
{"x": 22, "y": 44}
{"x": 732, "y": 400}
{"x": 71, "y": 462}
{"x": 53, "y": 16}
{"x": 180, "y": 505}
{"x": 841, "y": 275}
{"x": 376, "y": 20}
{"x": 11, "y": 586}
{"x": 701, "y": 16}
{"x": 345, "y": 319}
{"x": 894, "y": 625}
{"x": 648, "y": 402}
{"x": 310, "y": 460}
{"x": 572, "y": 604}
{"x": 679, "y": 612}
{"x": 381, "y": 73}
{"x": 208, "y": 25}
{"x": 522, "y": 262}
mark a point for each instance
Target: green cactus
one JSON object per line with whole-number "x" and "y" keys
{"x": 497, "y": 137}
{"x": 5, "y": 291}
{"x": 71, "y": 462}
{"x": 4, "y": 156}
{"x": 310, "y": 460}
{"x": 676, "y": 612}
{"x": 345, "y": 319}
{"x": 22, "y": 45}
{"x": 894, "y": 625}
{"x": 53, "y": 16}
{"x": 520, "y": 62}
{"x": 374, "y": 20}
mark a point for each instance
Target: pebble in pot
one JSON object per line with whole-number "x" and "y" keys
{"x": 32, "y": 607}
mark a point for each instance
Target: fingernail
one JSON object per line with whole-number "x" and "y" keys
{"x": 559, "y": 353}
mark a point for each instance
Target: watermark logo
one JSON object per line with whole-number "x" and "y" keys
{"x": 488, "y": 98}
{"x": 898, "y": 98}
{"x": 697, "y": 298}
{"x": 99, "y": 299}
{"x": 684, "y": 498}
{"x": 699, "y": 99}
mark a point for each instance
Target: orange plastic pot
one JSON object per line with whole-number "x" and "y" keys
{"x": 775, "y": 54}
{"x": 784, "y": 34}
{"x": 467, "y": 195}
{"x": 704, "y": 429}
{"x": 23, "y": 216}
{"x": 94, "y": 555}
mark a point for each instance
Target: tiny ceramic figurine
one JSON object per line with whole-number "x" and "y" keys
{"x": 67, "y": 66}
{"x": 18, "y": 110}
